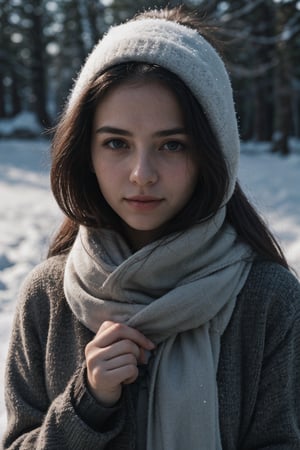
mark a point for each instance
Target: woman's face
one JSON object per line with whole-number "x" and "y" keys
{"x": 141, "y": 155}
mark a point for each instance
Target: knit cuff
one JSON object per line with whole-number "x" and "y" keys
{"x": 100, "y": 418}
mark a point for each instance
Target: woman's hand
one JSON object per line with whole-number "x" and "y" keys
{"x": 112, "y": 358}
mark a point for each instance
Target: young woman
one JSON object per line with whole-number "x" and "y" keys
{"x": 165, "y": 316}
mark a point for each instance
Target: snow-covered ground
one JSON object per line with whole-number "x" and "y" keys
{"x": 29, "y": 215}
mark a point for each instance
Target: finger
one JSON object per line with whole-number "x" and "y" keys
{"x": 124, "y": 375}
{"x": 120, "y": 361}
{"x": 111, "y": 332}
{"x": 143, "y": 358}
{"x": 106, "y": 324}
{"x": 94, "y": 353}
{"x": 118, "y": 349}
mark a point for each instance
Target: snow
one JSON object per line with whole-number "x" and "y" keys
{"x": 29, "y": 215}
{"x": 24, "y": 124}
{"x": 272, "y": 184}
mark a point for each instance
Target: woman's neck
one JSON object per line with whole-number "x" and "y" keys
{"x": 138, "y": 239}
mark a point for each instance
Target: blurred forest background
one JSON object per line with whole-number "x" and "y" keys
{"x": 43, "y": 43}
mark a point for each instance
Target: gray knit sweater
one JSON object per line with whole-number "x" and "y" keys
{"x": 49, "y": 406}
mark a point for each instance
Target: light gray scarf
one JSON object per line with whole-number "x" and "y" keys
{"x": 180, "y": 293}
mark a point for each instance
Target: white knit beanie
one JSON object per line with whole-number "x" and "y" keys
{"x": 186, "y": 53}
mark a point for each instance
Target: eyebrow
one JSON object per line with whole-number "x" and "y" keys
{"x": 161, "y": 133}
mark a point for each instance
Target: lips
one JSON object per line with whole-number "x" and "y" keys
{"x": 143, "y": 198}
{"x": 143, "y": 202}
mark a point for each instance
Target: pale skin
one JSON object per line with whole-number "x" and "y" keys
{"x": 141, "y": 160}
{"x": 112, "y": 359}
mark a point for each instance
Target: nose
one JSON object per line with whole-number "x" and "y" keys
{"x": 143, "y": 171}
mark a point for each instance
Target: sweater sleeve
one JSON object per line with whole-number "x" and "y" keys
{"x": 35, "y": 419}
{"x": 275, "y": 420}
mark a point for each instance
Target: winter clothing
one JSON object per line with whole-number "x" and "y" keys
{"x": 212, "y": 266}
{"x": 49, "y": 406}
{"x": 181, "y": 296}
{"x": 226, "y": 371}
{"x": 184, "y": 52}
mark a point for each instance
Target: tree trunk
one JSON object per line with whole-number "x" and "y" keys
{"x": 38, "y": 68}
{"x": 282, "y": 102}
{"x": 16, "y": 104}
{"x": 2, "y": 97}
{"x": 263, "y": 111}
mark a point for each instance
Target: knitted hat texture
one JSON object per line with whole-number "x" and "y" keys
{"x": 186, "y": 53}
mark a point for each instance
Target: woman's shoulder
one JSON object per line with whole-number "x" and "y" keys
{"x": 272, "y": 279}
{"x": 266, "y": 315}
{"x": 48, "y": 271}
{"x": 258, "y": 352}
{"x": 270, "y": 293}
{"x": 44, "y": 281}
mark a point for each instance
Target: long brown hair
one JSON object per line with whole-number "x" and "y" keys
{"x": 75, "y": 186}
